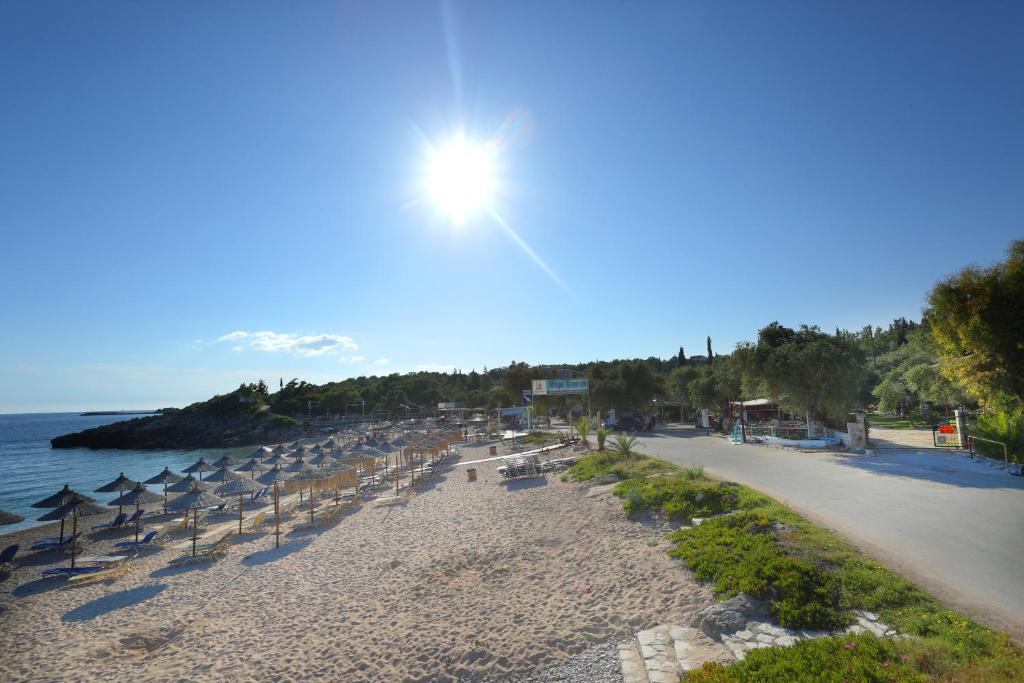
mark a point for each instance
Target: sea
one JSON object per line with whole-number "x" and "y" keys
{"x": 30, "y": 470}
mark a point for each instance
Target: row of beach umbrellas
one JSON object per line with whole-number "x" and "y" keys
{"x": 275, "y": 466}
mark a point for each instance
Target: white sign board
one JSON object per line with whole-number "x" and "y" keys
{"x": 560, "y": 387}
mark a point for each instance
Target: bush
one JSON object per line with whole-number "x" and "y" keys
{"x": 624, "y": 444}
{"x": 678, "y": 497}
{"x": 850, "y": 658}
{"x": 602, "y": 436}
{"x": 1005, "y": 424}
{"x": 601, "y": 463}
{"x": 283, "y": 422}
{"x": 583, "y": 427}
{"x": 738, "y": 555}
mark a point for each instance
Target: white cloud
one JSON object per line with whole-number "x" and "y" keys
{"x": 382, "y": 361}
{"x": 351, "y": 359}
{"x": 302, "y": 346}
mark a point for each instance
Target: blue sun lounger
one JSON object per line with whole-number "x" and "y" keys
{"x": 116, "y": 524}
{"x": 51, "y": 543}
{"x": 7, "y": 556}
{"x": 135, "y": 545}
{"x": 72, "y": 571}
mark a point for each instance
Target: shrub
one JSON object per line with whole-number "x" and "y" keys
{"x": 601, "y": 463}
{"x": 1005, "y": 424}
{"x": 849, "y": 658}
{"x": 624, "y": 444}
{"x": 283, "y": 422}
{"x": 738, "y": 556}
{"x": 679, "y": 497}
{"x": 583, "y": 427}
{"x": 602, "y": 436}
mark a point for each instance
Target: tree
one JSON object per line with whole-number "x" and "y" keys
{"x": 681, "y": 358}
{"x": 977, "y": 318}
{"x": 711, "y": 356}
{"x": 807, "y": 370}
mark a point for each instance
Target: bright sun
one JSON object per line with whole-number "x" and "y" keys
{"x": 461, "y": 178}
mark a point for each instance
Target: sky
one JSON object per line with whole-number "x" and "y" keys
{"x": 193, "y": 195}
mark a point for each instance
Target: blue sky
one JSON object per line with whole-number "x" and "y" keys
{"x": 174, "y": 173}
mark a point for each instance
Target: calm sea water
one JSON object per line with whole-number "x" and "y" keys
{"x": 30, "y": 470}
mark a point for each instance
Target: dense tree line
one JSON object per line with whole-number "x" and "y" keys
{"x": 968, "y": 349}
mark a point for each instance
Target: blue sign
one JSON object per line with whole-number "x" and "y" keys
{"x": 527, "y": 395}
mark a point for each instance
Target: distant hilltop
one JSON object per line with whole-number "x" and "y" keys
{"x": 236, "y": 419}
{"x": 121, "y": 412}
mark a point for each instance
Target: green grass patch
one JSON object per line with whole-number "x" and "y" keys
{"x": 601, "y": 463}
{"x": 540, "y": 438}
{"x": 678, "y": 496}
{"x": 811, "y": 579}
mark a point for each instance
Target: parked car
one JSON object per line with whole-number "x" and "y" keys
{"x": 628, "y": 423}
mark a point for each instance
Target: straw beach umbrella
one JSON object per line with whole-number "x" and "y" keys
{"x": 121, "y": 484}
{"x": 225, "y": 461}
{"x": 9, "y": 518}
{"x": 252, "y": 467}
{"x": 194, "y": 499}
{"x": 59, "y": 499}
{"x": 279, "y": 449}
{"x": 137, "y": 496}
{"x": 166, "y": 477}
{"x": 186, "y": 484}
{"x": 74, "y": 507}
{"x": 275, "y": 476}
{"x": 239, "y": 487}
{"x": 199, "y": 466}
{"x": 281, "y": 459}
{"x": 222, "y": 475}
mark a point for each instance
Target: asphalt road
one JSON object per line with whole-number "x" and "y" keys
{"x": 951, "y": 525}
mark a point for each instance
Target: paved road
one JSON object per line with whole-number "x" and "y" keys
{"x": 949, "y": 524}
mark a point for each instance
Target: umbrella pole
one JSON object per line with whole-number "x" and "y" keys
{"x": 277, "y": 517}
{"x": 62, "y": 532}
{"x": 137, "y": 515}
{"x": 310, "y": 502}
{"x": 239, "y": 513}
{"x": 74, "y": 533}
{"x": 195, "y": 528}
{"x": 165, "y": 497}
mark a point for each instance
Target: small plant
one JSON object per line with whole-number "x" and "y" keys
{"x": 583, "y": 427}
{"x": 624, "y": 444}
{"x": 602, "y": 436}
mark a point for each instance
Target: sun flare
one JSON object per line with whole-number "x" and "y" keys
{"x": 461, "y": 178}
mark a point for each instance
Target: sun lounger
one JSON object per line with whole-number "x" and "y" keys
{"x": 520, "y": 466}
{"x": 135, "y": 545}
{"x": 257, "y": 520}
{"x": 258, "y": 496}
{"x": 105, "y": 573}
{"x": 137, "y": 515}
{"x": 7, "y": 556}
{"x": 220, "y": 541}
{"x": 204, "y": 553}
{"x": 116, "y": 524}
{"x": 73, "y": 571}
{"x": 51, "y": 543}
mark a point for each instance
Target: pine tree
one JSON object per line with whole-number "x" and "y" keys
{"x": 711, "y": 356}
{"x": 681, "y": 360}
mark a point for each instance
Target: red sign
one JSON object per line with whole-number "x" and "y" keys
{"x": 947, "y": 429}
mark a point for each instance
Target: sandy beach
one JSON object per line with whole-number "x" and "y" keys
{"x": 462, "y": 581}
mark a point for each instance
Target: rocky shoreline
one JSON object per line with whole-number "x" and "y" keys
{"x": 183, "y": 429}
